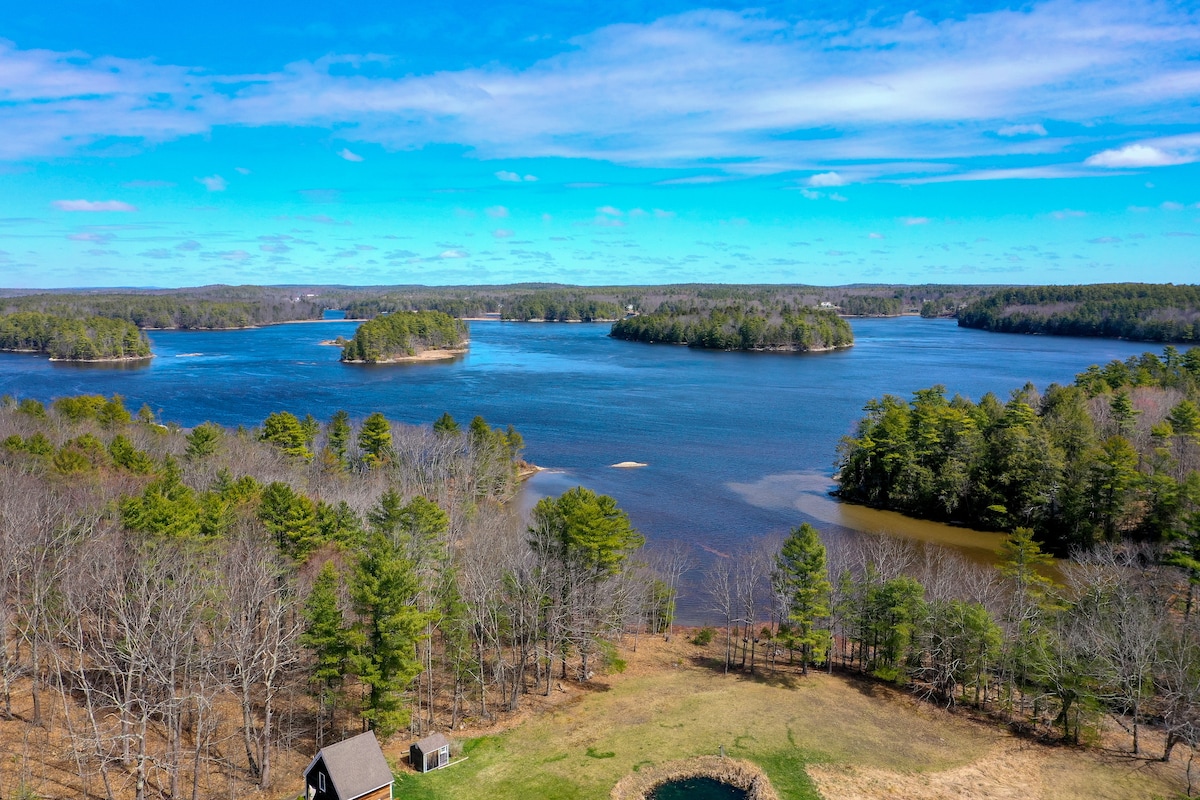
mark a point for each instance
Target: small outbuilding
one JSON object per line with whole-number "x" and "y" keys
{"x": 352, "y": 769}
{"x": 432, "y": 752}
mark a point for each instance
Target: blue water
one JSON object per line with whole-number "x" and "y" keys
{"x": 708, "y": 424}
{"x": 697, "y": 789}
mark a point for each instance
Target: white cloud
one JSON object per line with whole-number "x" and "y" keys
{"x": 826, "y": 179}
{"x": 1171, "y": 205}
{"x": 241, "y": 170}
{"x": 686, "y": 90}
{"x": 1135, "y": 155}
{"x": 502, "y": 233}
{"x": 662, "y": 214}
{"x": 915, "y": 220}
{"x": 453, "y": 254}
{"x": 214, "y": 183}
{"x": 1068, "y": 213}
{"x": 609, "y": 211}
{"x": 349, "y": 156}
{"x": 93, "y": 205}
{"x": 873, "y": 235}
{"x": 497, "y": 212}
{"x": 811, "y": 194}
{"x": 837, "y": 198}
{"x": 1023, "y": 130}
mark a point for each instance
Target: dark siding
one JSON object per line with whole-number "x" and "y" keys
{"x": 312, "y": 780}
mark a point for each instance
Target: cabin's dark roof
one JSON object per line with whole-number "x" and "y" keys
{"x": 355, "y": 765}
{"x": 432, "y": 742}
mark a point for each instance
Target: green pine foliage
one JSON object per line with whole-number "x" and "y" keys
{"x": 1106, "y": 458}
{"x": 66, "y": 338}
{"x": 392, "y": 336}
{"x": 735, "y": 327}
{"x": 1138, "y": 311}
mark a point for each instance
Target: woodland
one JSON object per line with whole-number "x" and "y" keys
{"x": 1137, "y": 311}
{"x": 180, "y": 606}
{"x": 738, "y": 327}
{"x": 404, "y": 334}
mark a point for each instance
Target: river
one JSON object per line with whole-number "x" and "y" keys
{"x": 737, "y": 445}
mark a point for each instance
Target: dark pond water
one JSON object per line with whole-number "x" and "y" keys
{"x": 737, "y": 445}
{"x": 697, "y": 789}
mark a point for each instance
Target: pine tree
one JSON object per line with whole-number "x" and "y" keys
{"x": 383, "y": 590}
{"x": 326, "y": 635}
{"x": 803, "y": 577}
{"x": 375, "y": 439}
{"x": 339, "y": 437}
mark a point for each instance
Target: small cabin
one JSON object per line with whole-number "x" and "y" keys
{"x": 432, "y": 752}
{"x": 352, "y": 769}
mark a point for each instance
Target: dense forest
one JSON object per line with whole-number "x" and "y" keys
{"x": 1113, "y": 456}
{"x": 402, "y": 335}
{"x": 72, "y": 339}
{"x": 204, "y": 308}
{"x": 738, "y": 327}
{"x": 185, "y": 613}
{"x": 1139, "y": 311}
{"x": 561, "y": 307}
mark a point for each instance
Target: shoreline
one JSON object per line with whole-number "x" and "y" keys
{"x": 119, "y": 360}
{"x": 424, "y": 355}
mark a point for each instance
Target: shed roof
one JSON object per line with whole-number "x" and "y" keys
{"x": 355, "y": 765}
{"x": 432, "y": 742}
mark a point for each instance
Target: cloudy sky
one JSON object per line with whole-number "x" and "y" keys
{"x": 647, "y": 141}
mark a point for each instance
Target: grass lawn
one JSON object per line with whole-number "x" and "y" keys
{"x": 670, "y": 708}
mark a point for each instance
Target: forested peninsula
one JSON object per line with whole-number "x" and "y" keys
{"x": 1137, "y": 311}
{"x": 73, "y": 339}
{"x": 1112, "y": 456}
{"x": 739, "y": 327}
{"x": 406, "y": 336}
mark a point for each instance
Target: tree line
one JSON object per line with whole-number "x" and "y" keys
{"x": 736, "y": 327}
{"x": 209, "y": 308}
{"x": 1114, "y": 455}
{"x": 1110, "y": 638}
{"x": 560, "y": 306}
{"x": 180, "y": 609}
{"x": 1138, "y": 311}
{"x": 72, "y": 339}
{"x": 405, "y": 333}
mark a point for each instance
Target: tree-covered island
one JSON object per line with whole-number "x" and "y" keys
{"x": 73, "y": 339}
{"x": 406, "y": 336}
{"x": 783, "y": 328}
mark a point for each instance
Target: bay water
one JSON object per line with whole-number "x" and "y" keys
{"x": 737, "y": 446}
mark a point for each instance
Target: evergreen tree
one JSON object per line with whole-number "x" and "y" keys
{"x": 375, "y": 439}
{"x": 445, "y": 424}
{"x": 326, "y": 635}
{"x": 383, "y": 592}
{"x": 203, "y": 441}
{"x": 804, "y": 580}
{"x": 339, "y": 437}
{"x": 283, "y": 429}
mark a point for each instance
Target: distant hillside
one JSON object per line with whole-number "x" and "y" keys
{"x": 1136, "y": 311}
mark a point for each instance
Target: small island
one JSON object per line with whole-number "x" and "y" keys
{"x": 406, "y": 337}
{"x": 754, "y": 328}
{"x": 89, "y": 339}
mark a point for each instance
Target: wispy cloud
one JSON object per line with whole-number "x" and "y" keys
{"x": 93, "y": 205}
{"x": 502, "y": 233}
{"x": 513, "y": 177}
{"x": 915, "y": 220}
{"x": 1036, "y": 129}
{"x": 1068, "y": 213}
{"x": 687, "y": 90}
{"x": 497, "y": 212}
{"x": 214, "y": 183}
{"x": 348, "y": 155}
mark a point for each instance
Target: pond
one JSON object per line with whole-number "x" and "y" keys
{"x": 700, "y": 788}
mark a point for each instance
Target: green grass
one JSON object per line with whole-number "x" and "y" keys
{"x": 784, "y": 724}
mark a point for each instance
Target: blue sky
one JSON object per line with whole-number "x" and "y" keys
{"x": 164, "y": 144}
